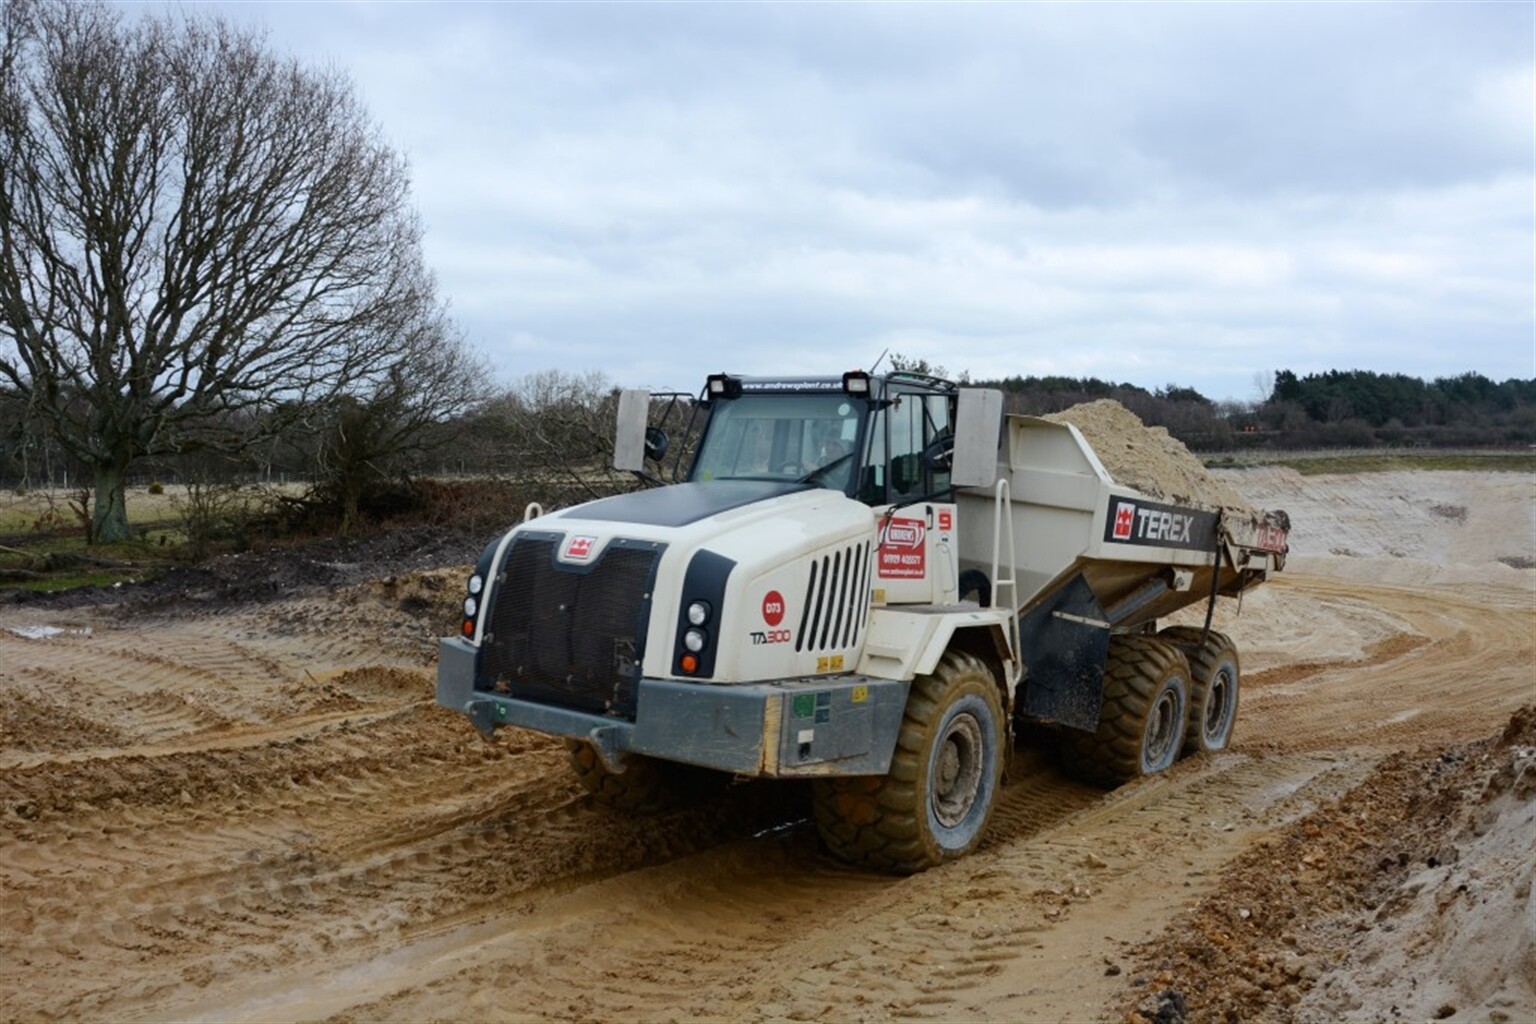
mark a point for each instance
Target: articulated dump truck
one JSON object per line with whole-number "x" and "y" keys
{"x": 868, "y": 581}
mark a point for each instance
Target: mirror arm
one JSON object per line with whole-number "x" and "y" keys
{"x": 647, "y": 479}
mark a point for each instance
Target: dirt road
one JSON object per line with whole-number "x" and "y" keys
{"x": 258, "y": 813}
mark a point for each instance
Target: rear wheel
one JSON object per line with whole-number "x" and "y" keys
{"x": 1143, "y": 716}
{"x": 646, "y": 785}
{"x": 1214, "y": 674}
{"x": 934, "y": 803}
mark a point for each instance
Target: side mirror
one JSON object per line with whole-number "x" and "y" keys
{"x": 630, "y": 434}
{"x": 656, "y": 443}
{"x": 978, "y": 429}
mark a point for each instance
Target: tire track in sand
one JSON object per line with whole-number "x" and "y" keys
{"x": 770, "y": 928}
{"x": 1461, "y": 666}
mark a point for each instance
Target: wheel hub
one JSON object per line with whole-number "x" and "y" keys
{"x": 1162, "y": 723}
{"x": 957, "y": 770}
{"x": 1216, "y": 704}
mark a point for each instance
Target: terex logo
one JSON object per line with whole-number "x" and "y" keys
{"x": 1124, "y": 520}
{"x": 1272, "y": 538}
{"x": 1168, "y": 526}
{"x": 579, "y": 549}
{"x": 1164, "y": 526}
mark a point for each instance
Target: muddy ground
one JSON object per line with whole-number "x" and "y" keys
{"x": 233, "y": 798}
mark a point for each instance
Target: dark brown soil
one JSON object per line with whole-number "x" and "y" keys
{"x": 279, "y": 570}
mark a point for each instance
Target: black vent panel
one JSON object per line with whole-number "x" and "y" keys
{"x": 572, "y": 635}
{"x": 836, "y": 600}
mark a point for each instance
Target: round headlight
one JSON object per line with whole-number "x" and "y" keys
{"x": 476, "y": 584}
{"x": 470, "y": 607}
{"x": 694, "y": 640}
{"x": 698, "y": 613}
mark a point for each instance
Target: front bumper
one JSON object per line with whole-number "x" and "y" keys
{"x": 793, "y": 728}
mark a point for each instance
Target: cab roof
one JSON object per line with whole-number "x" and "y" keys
{"x": 815, "y": 384}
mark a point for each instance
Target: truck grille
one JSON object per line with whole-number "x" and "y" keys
{"x": 571, "y": 635}
{"x": 836, "y": 600}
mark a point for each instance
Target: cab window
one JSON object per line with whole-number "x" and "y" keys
{"x": 781, "y": 437}
{"x": 894, "y": 469}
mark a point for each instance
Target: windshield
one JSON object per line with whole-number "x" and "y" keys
{"x": 811, "y": 438}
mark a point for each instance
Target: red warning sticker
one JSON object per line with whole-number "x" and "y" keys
{"x": 903, "y": 549}
{"x": 773, "y": 608}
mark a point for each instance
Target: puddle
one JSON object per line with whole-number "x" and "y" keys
{"x": 47, "y": 632}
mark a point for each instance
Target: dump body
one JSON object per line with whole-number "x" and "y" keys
{"x": 1069, "y": 518}
{"x": 1091, "y": 554}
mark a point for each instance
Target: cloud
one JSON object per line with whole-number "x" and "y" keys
{"x": 1159, "y": 193}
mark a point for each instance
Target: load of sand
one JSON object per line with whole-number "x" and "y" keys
{"x": 1148, "y": 458}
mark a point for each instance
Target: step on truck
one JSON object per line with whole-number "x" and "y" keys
{"x": 867, "y": 581}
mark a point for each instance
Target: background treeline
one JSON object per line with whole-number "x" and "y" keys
{"x": 357, "y": 460}
{"x": 553, "y": 430}
{"x": 1338, "y": 408}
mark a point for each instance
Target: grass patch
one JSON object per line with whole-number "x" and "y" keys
{"x": 1518, "y": 462}
{"x": 69, "y": 581}
{"x": 41, "y": 509}
{"x": 43, "y": 563}
{"x": 1324, "y": 463}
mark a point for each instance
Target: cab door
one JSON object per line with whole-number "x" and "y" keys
{"x": 916, "y": 560}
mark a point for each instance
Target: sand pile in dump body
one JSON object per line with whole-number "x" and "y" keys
{"x": 1148, "y": 458}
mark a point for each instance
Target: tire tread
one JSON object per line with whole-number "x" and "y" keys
{"x": 878, "y": 821}
{"x": 1133, "y": 676}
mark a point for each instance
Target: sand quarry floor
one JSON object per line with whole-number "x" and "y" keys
{"x": 254, "y": 811}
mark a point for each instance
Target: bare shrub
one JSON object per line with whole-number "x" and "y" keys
{"x": 214, "y": 512}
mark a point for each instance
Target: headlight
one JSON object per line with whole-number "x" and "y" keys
{"x": 698, "y": 613}
{"x": 476, "y": 584}
{"x": 470, "y": 607}
{"x": 695, "y": 639}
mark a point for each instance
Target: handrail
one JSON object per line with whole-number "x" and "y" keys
{"x": 1003, "y": 511}
{"x": 532, "y": 511}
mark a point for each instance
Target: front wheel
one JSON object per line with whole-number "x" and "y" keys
{"x": 934, "y": 803}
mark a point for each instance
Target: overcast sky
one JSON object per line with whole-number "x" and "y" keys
{"x": 1197, "y": 194}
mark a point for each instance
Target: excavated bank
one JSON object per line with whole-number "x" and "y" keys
{"x": 1329, "y": 920}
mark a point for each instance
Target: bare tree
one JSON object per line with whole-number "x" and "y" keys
{"x": 384, "y": 430}
{"x": 553, "y": 434}
{"x": 195, "y": 233}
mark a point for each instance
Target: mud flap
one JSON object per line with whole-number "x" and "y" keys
{"x": 1064, "y": 643}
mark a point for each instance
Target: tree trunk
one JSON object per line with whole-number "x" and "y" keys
{"x": 351, "y": 500}
{"x": 109, "y": 511}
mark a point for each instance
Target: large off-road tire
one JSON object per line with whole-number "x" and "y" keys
{"x": 1143, "y": 717}
{"x": 934, "y": 803}
{"x": 647, "y": 785}
{"x": 1214, "y": 675}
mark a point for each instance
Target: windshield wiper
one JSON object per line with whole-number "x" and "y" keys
{"x": 811, "y": 476}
